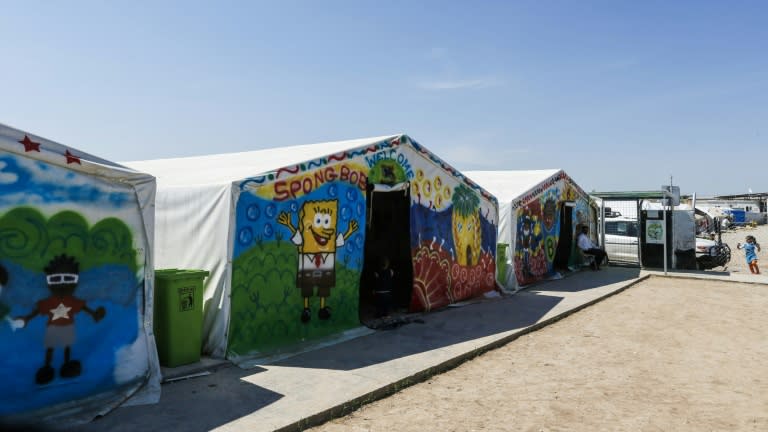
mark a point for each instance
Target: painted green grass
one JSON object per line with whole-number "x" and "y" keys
{"x": 28, "y": 238}
{"x": 266, "y": 305}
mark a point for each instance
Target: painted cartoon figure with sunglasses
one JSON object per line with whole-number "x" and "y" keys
{"x": 62, "y": 274}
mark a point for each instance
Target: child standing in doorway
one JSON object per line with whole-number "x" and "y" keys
{"x": 749, "y": 250}
{"x": 385, "y": 277}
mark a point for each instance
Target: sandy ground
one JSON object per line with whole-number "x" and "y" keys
{"x": 738, "y": 263}
{"x": 666, "y": 354}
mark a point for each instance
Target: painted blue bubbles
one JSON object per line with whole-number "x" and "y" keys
{"x": 270, "y": 211}
{"x": 355, "y": 243}
{"x": 352, "y": 194}
{"x": 253, "y": 212}
{"x": 268, "y": 230}
{"x": 245, "y": 236}
{"x": 345, "y": 213}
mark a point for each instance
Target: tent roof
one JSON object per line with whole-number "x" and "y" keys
{"x": 36, "y": 147}
{"x": 628, "y": 195}
{"x": 509, "y": 185}
{"x": 217, "y": 169}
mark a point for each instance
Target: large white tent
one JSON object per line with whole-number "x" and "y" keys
{"x": 533, "y": 205}
{"x": 247, "y": 218}
{"x": 76, "y": 283}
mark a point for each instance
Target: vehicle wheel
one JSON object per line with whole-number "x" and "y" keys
{"x": 727, "y": 252}
{"x": 708, "y": 262}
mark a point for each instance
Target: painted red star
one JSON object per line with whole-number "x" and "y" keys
{"x": 72, "y": 158}
{"x": 29, "y": 145}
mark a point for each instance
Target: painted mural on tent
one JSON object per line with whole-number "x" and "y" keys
{"x": 297, "y": 258}
{"x": 453, "y": 240}
{"x": 300, "y": 240}
{"x": 582, "y": 215}
{"x": 538, "y": 227}
{"x": 71, "y": 284}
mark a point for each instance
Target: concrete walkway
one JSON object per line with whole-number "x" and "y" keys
{"x": 312, "y": 387}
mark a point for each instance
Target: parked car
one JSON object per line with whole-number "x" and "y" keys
{"x": 621, "y": 238}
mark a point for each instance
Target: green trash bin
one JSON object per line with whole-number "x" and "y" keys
{"x": 501, "y": 261}
{"x": 178, "y": 315}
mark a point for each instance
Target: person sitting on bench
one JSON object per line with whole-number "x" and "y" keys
{"x": 588, "y": 248}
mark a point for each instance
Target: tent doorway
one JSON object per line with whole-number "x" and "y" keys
{"x": 388, "y": 234}
{"x": 565, "y": 242}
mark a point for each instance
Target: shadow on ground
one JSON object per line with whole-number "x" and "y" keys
{"x": 455, "y": 325}
{"x": 588, "y": 279}
{"x": 208, "y": 402}
{"x": 199, "y": 404}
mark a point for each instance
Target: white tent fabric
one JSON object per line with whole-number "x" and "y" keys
{"x": 56, "y": 181}
{"x": 513, "y": 188}
{"x": 198, "y": 191}
{"x": 510, "y": 185}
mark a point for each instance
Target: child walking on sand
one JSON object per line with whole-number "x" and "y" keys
{"x": 749, "y": 250}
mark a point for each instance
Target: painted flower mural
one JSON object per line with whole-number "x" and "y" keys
{"x": 468, "y": 282}
{"x": 431, "y": 192}
{"x": 431, "y": 278}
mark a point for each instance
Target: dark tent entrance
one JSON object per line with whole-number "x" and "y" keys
{"x": 566, "y": 240}
{"x": 387, "y": 235}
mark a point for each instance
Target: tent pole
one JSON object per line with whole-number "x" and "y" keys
{"x": 602, "y": 223}
{"x": 664, "y": 223}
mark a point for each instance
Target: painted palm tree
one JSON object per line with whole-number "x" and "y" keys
{"x": 467, "y": 235}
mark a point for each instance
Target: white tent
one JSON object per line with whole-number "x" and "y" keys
{"x": 76, "y": 235}
{"x": 243, "y": 217}
{"x": 532, "y": 205}
{"x": 194, "y": 208}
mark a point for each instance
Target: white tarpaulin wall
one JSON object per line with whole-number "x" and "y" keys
{"x": 260, "y": 220}
{"x": 76, "y": 283}
{"x": 530, "y": 207}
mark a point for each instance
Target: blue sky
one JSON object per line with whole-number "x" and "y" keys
{"x": 620, "y": 94}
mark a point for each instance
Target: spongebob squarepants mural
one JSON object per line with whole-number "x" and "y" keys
{"x": 72, "y": 277}
{"x": 297, "y": 259}
{"x": 317, "y": 239}
{"x": 300, "y": 243}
